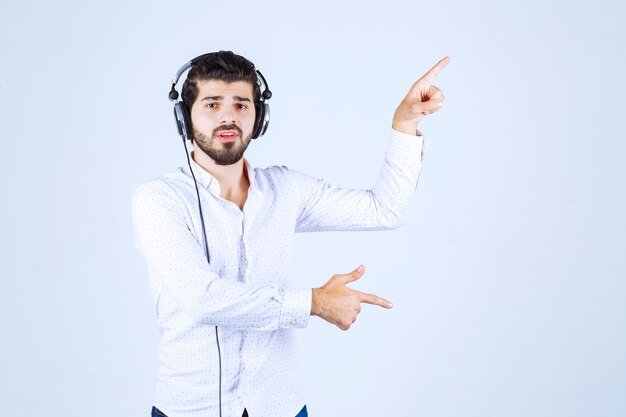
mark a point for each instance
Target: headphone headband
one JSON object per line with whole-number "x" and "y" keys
{"x": 261, "y": 82}
{"x": 184, "y": 68}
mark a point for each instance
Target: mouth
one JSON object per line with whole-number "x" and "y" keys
{"x": 227, "y": 135}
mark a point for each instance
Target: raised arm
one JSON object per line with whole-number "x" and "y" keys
{"x": 327, "y": 207}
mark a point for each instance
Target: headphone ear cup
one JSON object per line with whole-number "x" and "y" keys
{"x": 265, "y": 120}
{"x": 182, "y": 120}
{"x": 258, "y": 108}
{"x": 261, "y": 120}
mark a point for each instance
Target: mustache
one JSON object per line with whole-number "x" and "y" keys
{"x": 227, "y": 127}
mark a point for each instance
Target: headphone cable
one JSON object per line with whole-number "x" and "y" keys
{"x": 206, "y": 253}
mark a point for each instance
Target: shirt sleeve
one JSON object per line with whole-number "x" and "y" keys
{"x": 177, "y": 259}
{"x": 325, "y": 207}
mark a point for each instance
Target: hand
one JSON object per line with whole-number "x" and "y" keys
{"x": 422, "y": 99}
{"x": 338, "y": 304}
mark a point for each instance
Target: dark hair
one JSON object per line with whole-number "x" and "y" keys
{"x": 223, "y": 65}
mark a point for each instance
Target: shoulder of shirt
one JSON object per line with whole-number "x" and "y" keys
{"x": 162, "y": 186}
{"x": 276, "y": 177}
{"x": 288, "y": 175}
{"x": 272, "y": 171}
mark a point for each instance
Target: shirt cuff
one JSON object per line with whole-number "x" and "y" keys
{"x": 418, "y": 133}
{"x": 407, "y": 146}
{"x": 296, "y": 308}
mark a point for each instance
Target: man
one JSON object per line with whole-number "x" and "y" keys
{"x": 227, "y": 325}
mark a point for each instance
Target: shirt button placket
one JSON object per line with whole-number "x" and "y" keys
{"x": 242, "y": 248}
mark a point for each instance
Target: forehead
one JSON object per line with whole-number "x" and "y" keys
{"x": 223, "y": 88}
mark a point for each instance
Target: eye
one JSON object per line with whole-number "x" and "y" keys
{"x": 242, "y": 106}
{"x": 211, "y": 105}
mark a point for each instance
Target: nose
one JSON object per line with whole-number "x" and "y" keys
{"x": 227, "y": 116}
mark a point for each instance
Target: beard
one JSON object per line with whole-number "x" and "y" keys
{"x": 223, "y": 153}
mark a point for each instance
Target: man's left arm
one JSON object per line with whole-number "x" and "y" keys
{"x": 326, "y": 207}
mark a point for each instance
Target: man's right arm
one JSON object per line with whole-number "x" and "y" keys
{"x": 162, "y": 235}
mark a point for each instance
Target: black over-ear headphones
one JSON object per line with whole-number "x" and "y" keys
{"x": 182, "y": 113}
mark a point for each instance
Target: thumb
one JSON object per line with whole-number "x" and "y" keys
{"x": 354, "y": 275}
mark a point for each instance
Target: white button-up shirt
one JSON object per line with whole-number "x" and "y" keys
{"x": 245, "y": 290}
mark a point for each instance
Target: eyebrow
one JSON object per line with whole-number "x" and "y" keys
{"x": 237, "y": 98}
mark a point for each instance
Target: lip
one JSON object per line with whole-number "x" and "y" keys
{"x": 228, "y": 138}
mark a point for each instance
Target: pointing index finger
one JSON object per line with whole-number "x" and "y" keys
{"x": 376, "y": 300}
{"x": 430, "y": 75}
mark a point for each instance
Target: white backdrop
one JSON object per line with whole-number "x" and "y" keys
{"x": 508, "y": 279}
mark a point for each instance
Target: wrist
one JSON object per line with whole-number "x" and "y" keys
{"x": 314, "y": 301}
{"x": 404, "y": 127}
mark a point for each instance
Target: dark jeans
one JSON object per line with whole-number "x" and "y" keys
{"x": 158, "y": 413}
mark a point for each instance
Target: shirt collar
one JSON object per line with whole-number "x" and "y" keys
{"x": 208, "y": 181}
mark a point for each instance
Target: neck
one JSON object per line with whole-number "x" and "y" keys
{"x": 233, "y": 179}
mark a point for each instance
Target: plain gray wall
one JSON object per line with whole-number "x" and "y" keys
{"x": 508, "y": 278}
